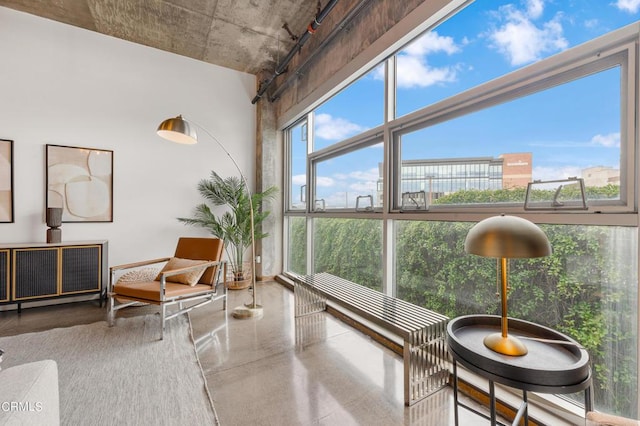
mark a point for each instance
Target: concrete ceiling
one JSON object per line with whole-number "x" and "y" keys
{"x": 244, "y": 35}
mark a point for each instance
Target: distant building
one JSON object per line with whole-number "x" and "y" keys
{"x": 438, "y": 177}
{"x": 444, "y": 176}
{"x": 601, "y": 176}
{"x": 516, "y": 170}
{"x": 448, "y": 175}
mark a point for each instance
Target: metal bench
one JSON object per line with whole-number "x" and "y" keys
{"x": 423, "y": 331}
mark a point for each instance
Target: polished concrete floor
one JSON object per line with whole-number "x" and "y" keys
{"x": 268, "y": 371}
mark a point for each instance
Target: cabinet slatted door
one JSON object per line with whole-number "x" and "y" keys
{"x": 81, "y": 269}
{"x": 4, "y": 275}
{"x": 35, "y": 273}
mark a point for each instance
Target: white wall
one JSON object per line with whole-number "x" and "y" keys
{"x": 67, "y": 86}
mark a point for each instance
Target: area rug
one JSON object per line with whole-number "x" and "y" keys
{"x": 123, "y": 375}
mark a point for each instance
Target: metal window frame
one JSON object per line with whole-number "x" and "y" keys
{"x": 617, "y": 49}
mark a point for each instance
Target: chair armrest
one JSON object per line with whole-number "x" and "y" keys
{"x": 116, "y": 268}
{"x": 164, "y": 274}
{"x": 178, "y": 271}
{"x": 138, "y": 264}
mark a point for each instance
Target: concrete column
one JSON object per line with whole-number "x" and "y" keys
{"x": 269, "y": 172}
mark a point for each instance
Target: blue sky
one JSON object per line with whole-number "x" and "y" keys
{"x": 486, "y": 40}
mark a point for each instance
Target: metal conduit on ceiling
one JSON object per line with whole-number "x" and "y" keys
{"x": 355, "y": 11}
{"x": 311, "y": 28}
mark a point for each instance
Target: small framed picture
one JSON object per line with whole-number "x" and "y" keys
{"x": 80, "y": 181}
{"x": 6, "y": 181}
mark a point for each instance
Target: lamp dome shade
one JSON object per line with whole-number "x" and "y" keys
{"x": 178, "y": 130}
{"x": 507, "y": 236}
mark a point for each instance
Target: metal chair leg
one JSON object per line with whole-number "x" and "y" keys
{"x": 110, "y": 312}
{"x": 164, "y": 314}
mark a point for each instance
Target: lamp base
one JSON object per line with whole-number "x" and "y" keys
{"x": 248, "y": 311}
{"x": 505, "y": 345}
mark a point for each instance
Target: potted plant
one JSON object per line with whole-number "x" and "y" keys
{"x": 234, "y": 225}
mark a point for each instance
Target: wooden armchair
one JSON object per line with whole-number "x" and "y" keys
{"x": 192, "y": 278}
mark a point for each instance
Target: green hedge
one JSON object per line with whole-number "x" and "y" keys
{"x": 586, "y": 289}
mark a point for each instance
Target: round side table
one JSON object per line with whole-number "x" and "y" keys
{"x": 555, "y": 363}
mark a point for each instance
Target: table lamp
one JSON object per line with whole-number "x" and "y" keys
{"x": 506, "y": 237}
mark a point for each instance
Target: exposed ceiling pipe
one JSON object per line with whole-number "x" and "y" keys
{"x": 355, "y": 11}
{"x": 311, "y": 28}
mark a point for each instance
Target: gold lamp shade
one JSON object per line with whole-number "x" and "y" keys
{"x": 507, "y": 236}
{"x": 178, "y": 130}
{"x": 504, "y": 237}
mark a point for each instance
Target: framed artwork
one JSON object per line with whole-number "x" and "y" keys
{"x": 6, "y": 181}
{"x": 80, "y": 181}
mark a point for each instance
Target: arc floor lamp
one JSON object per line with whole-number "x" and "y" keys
{"x": 181, "y": 131}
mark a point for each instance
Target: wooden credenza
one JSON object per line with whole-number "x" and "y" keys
{"x": 35, "y": 271}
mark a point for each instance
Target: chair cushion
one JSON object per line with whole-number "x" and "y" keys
{"x": 150, "y": 290}
{"x": 190, "y": 278}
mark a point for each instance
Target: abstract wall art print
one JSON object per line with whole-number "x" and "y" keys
{"x": 6, "y": 181}
{"x": 80, "y": 180}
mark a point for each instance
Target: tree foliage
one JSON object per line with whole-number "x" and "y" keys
{"x": 350, "y": 248}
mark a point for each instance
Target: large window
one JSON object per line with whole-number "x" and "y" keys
{"x": 488, "y": 39}
{"x": 562, "y": 131}
{"x": 297, "y": 244}
{"x": 349, "y": 248}
{"x": 297, "y": 166}
{"x": 587, "y": 289}
{"x": 336, "y": 119}
{"x": 349, "y": 180}
{"x": 500, "y": 98}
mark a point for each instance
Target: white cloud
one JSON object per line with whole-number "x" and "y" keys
{"x": 370, "y": 175}
{"x": 555, "y": 173}
{"x": 413, "y": 67}
{"x": 591, "y": 23}
{"x": 432, "y": 42}
{"x": 339, "y": 200}
{"x": 612, "y": 140}
{"x": 340, "y": 176}
{"x": 521, "y": 40}
{"x": 335, "y": 128}
{"x": 299, "y": 179}
{"x": 324, "y": 181}
{"x": 346, "y": 187}
{"x": 631, "y": 6}
{"x": 363, "y": 188}
{"x": 415, "y": 72}
{"x": 535, "y": 8}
